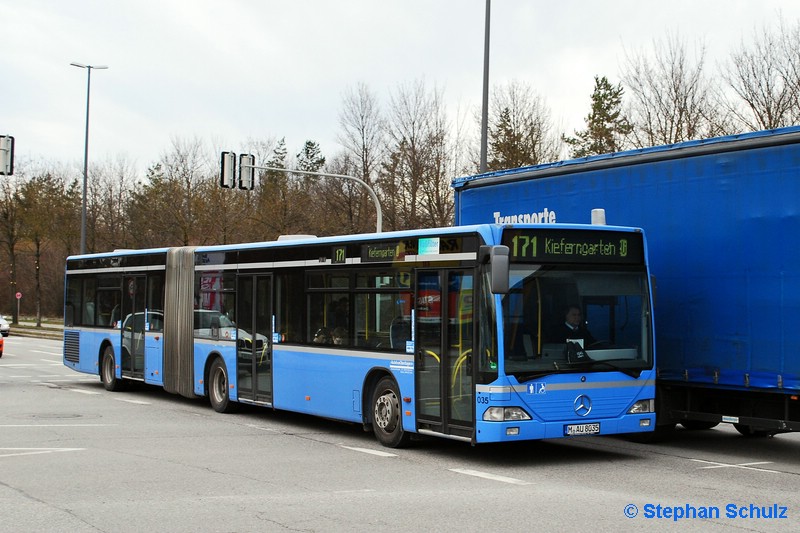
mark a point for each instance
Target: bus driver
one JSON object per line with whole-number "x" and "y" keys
{"x": 573, "y": 327}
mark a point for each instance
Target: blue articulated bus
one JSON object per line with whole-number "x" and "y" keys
{"x": 442, "y": 332}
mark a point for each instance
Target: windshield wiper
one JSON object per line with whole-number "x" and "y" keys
{"x": 533, "y": 375}
{"x": 632, "y": 372}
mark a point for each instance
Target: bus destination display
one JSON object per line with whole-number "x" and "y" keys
{"x": 573, "y": 246}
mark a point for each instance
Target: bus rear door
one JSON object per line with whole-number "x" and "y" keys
{"x": 132, "y": 322}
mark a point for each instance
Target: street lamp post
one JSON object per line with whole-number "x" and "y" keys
{"x": 485, "y": 104}
{"x": 86, "y": 148}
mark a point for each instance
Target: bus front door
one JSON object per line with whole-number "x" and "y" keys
{"x": 254, "y": 338}
{"x": 444, "y": 347}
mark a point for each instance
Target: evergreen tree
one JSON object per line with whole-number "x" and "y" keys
{"x": 606, "y": 126}
{"x": 507, "y": 144}
{"x": 310, "y": 158}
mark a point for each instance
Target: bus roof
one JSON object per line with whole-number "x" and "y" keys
{"x": 484, "y": 229}
{"x": 487, "y": 231}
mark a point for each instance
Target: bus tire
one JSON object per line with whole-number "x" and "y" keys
{"x": 219, "y": 387}
{"x": 108, "y": 371}
{"x": 387, "y": 423}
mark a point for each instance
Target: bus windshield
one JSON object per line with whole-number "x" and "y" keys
{"x": 568, "y": 319}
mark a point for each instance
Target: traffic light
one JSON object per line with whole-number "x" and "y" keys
{"x": 247, "y": 172}
{"x": 227, "y": 172}
{"x": 6, "y": 155}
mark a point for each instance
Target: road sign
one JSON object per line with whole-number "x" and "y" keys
{"x": 19, "y": 295}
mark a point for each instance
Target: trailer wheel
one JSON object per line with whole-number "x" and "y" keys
{"x": 387, "y": 423}
{"x": 751, "y": 432}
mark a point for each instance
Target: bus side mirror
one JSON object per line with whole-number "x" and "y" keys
{"x": 497, "y": 257}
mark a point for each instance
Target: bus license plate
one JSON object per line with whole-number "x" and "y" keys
{"x": 581, "y": 429}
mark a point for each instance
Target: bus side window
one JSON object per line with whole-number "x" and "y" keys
{"x": 399, "y": 333}
{"x": 88, "y": 313}
{"x": 69, "y": 313}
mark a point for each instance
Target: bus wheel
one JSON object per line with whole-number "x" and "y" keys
{"x": 386, "y": 419}
{"x": 108, "y": 371}
{"x": 218, "y": 389}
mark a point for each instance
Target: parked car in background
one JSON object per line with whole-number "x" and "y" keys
{"x": 5, "y": 328}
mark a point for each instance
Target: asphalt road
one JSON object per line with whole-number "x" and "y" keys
{"x": 76, "y": 458}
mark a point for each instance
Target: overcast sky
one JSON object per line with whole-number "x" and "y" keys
{"x": 228, "y": 71}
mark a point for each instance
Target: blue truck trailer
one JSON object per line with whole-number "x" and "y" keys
{"x": 722, "y": 218}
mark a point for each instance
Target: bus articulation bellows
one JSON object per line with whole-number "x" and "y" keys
{"x": 448, "y": 332}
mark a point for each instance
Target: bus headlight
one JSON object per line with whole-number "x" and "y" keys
{"x": 503, "y": 414}
{"x": 642, "y": 406}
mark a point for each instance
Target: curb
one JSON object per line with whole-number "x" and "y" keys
{"x": 40, "y": 333}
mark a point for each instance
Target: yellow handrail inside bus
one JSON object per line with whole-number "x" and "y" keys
{"x": 459, "y": 362}
{"x": 263, "y": 352}
{"x": 433, "y": 354}
{"x": 538, "y": 319}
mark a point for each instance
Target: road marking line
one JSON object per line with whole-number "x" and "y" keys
{"x": 74, "y": 378}
{"x": 262, "y": 428}
{"x": 84, "y": 391}
{"x": 743, "y": 466}
{"x": 137, "y": 402}
{"x": 54, "y": 426}
{"x": 37, "y": 451}
{"x": 486, "y": 475}
{"x": 371, "y": 452}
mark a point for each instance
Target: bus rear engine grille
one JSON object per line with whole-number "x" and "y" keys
{"x": 72, "y": 346}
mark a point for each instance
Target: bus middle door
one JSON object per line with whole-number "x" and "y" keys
{"x": 254, "y": 340}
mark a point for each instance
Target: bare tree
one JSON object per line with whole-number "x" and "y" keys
{"x": 437, "y": 195}
{"x": 672, "y": 100}
{"x": 362, "y": 137}
{"x": 790, "y": 65}
{"x": 114, "y": 182}
{"x": 757, "y": 76}
{"x": 362, "y": 134}
{"x": 415, "y": 168}
{"x": 521, "y": 130}
{"x": 166, "y": 209}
